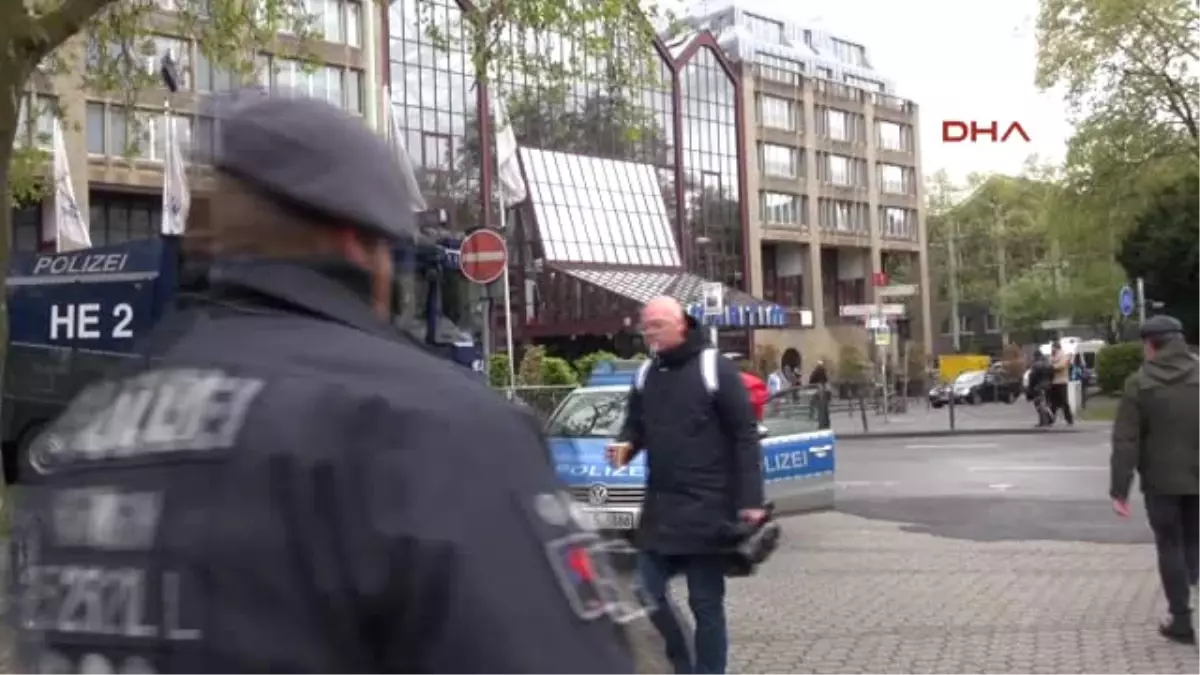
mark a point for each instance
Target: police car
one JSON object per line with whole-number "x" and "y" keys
{"x": 798, "y": 457}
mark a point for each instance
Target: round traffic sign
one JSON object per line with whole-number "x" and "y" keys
{"x": 483, "y": 256}
{"x": 1125, "y": 301}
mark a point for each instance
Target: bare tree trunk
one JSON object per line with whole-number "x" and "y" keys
{"x": 11, "y": 85}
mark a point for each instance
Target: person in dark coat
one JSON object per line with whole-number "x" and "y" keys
{"x": 1041, "y": 374}
{"x": 289, "y": 484}
{"x": 1155, "y": 434}
{"x": 704, "y": 476}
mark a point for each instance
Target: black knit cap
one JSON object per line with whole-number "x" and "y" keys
{"x": 313, "y": 156}
{"x": 1161, "y": 324}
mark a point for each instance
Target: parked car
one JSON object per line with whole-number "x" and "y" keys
{"x": 977, "y": 386}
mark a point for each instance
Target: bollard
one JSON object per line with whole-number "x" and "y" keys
{"x": 950, "y": 400}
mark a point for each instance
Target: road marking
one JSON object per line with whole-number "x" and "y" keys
{"x": 953, "y": 446}
{"x": 1013, "y": 469}
{"x": 1002, "y": 486}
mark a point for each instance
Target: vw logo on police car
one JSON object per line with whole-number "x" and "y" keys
{"x": 598, "y": 494}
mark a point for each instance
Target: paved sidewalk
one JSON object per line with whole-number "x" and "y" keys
{"x": 850, "y": 595}
{"x": 920, "y": 419}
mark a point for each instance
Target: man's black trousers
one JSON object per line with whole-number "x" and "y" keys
{"x": 1176, "y": 527}
{"x": 1059, "y": 401}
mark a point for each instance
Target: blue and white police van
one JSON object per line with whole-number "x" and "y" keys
{"x": 74, "y": 315}
{"x": 798, "y": 457}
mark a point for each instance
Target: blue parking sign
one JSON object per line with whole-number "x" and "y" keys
{"x": 1126, "y": 301}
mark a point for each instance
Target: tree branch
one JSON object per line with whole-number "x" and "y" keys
{"x": 51, "y": 30}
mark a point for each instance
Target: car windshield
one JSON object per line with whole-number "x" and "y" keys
{"x": 590, "y": 414}
{"x": 968, "y": 378}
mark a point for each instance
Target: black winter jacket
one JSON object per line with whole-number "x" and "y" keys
{"x": 703, "y": 454}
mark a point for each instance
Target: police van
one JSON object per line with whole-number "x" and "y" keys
{"x": 74, "y": 315}
{"x": 798, "y": 456}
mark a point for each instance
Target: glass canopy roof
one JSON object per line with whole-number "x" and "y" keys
{"x": 599, "y": 211}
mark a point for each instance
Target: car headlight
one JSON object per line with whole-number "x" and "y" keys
{"x": 935, "y": 391}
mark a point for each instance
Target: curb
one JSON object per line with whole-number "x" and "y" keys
{"x": 942, "y": 433}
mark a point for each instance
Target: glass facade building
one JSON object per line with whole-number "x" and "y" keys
{"x": 635, "y": 189}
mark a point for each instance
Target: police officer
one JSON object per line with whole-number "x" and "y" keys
{"x": 1155, "y": 434}
{"x": 290, "y": 486}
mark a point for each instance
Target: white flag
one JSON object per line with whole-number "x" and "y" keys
{"x": 70, "y": 230}
{"x": 508, "y": 168}
{"x": 395, "y": 136}
{"x": 177, "y": 198}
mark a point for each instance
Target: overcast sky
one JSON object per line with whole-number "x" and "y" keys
{"x": 957, "y": 59}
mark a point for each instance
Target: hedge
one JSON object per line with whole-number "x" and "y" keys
{"x": 1115, "y": 363}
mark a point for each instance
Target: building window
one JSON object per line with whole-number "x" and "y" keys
{"x": 848, "y": 52}
{"x": 825, "y": 72}
{"x": 837, "y": 215}
{"x": 893, "y": 179}
{"x": 779, "y": 69}
{"x": 115, "y": 218}
{"x": 35, "y": 122}
{"x": 147, "y": 56}
{"x": 436, "y": 152}
{"x": 777, "y": 113}
{"x": 764, "y": 29}
{"x": 112, "y": 132}
{"x": 841, "y": 170}
{"x": 210, "y": 78}
{"x": 865, "y": 83}
{"x": 991, "y": 322}
{"x": 898, "y": 223}
{"x": 777, "y": 208}
{"x": 778, "y": 161}
{"x": 27, "y": 226}
{"x": 337, "y": 21}
{"x": 892, "y": 136}
{"x": 837, "y": 124}
{"x": 328, "y": 83}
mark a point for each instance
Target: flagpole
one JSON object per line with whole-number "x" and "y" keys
{"x": 508, "y": 317}
{"x": 500, "y": 124}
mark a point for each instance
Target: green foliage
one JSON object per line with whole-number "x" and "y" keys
{"x": 1030, "y": 299}
{"x": 585, "y": 364}
{"x": 498, "y": 371}
{"x": 498, "y": 37}
{"x": 539, "y": 369}
{"x": 557, "y": 372}
{"x": 852, "y": 367}
{"x": 1115, "y": 363}
{"x": 1164, "y": 249}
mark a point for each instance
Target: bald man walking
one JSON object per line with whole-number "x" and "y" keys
{"x": 691, "y": 414}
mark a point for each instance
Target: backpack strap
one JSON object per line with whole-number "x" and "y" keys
{"x": 708, "y": 369}
{"x": 639, "y": 382}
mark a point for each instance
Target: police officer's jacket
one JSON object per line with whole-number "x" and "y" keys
{"x": 290, "y": 487}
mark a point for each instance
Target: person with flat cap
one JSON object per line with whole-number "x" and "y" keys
{"x": 287, "y": 484}
{"x": 1155, "y": 434}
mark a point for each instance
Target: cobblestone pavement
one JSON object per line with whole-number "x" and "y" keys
{"x": 849, "y": 595}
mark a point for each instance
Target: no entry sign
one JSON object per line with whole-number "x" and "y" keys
{"x": 484, "y": 256}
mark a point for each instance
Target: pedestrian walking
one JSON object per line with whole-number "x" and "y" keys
{"x": 691, "y": 415}
{"x": 1041, "y": 375}
{"x": 1155, "y": 434}
{"x": 1059, "y": 399}
{"x": 288, "y": 483}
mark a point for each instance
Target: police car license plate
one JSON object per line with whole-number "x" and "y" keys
{"x": 612, "y": 520}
